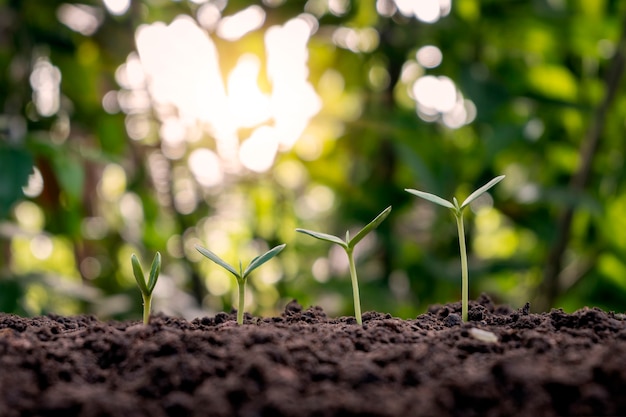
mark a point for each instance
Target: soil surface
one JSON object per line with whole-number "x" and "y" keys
{"x": 306, "y": 364}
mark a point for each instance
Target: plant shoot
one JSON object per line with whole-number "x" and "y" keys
{"x": 241, "y": 275}
{"x": 146, "y": 288}
{"x": 348, "y": 245}
{"x": 458, "y": 214}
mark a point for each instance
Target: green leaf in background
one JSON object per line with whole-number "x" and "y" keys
{"x": 15, "y": 167}
{"x": 70, "y": 174}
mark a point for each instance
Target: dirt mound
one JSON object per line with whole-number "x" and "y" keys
{"x": 500, "y": 363}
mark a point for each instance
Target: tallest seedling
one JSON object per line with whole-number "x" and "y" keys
{"x": 458, "y": 214}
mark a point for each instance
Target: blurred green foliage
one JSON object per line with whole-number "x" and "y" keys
{"x": 539, "y": 97}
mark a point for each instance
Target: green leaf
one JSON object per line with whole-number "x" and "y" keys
{"x": 154, "y": 272}
{"x": 324, "y": 236}
{"x": 260, "y": 260}
{"x": 371, "y": 226}
{"x": 15, "y": 167}
{"x": 473, "y": 196}
{"x": 431, "y": 197}
{"x": 139, "y": 277}
{"x": 70, "y": 173}
{"x": 217, "y": 260}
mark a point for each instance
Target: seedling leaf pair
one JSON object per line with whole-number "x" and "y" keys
{"x": 242, "y": 275}
{"x": 445, "y": 203}
{"x": 458, "y": 214}
{"x": 348, "y": 245}
{"x": 146, "y": 288}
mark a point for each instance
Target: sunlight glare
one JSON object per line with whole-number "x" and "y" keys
{"x": 41, "y": 246}
{"x": 186, "y": 87}
{"x": 80, "y": 18}
{"x": 45, "y": 81}
{"x": 429, "y": 56}
{"x": 386, "y": 8}
{"x": 247, "y": 103}
{"x": 294, "y": 100}
{"x": 29, "y": 216}
{"x": 117, "y": 7}
{"x": 209, "y": 16}
{"x": 437, "y": 93}
{"x": 338, "y": 7}
{"x": 257, "y": 153}
{"x": 131, "y": 208}
{"x": 232, "y": 28}
{"x": 428, "y": 11}
{"x": 181, "y": 62}
{"x": 35, "y": 184}
{"x": 112, "y": 183}
{"x": 205, "y": 167}
{"x": 130, "y": 75}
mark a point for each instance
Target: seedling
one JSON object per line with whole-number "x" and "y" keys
{"x": 458, "y": 214}
{"x": 242, "y": 275}
{"x": 146, "y": 288}
{"x": 348, "y": 245}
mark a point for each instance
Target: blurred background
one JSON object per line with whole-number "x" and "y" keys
{"x": 155, "y": 125}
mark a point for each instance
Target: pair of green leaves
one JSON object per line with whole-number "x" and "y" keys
{"x": 349, "y": 244}
{"x": 454, "y": 205}
{"x": 146, "y": 288}
{"x": 242, "y": 275}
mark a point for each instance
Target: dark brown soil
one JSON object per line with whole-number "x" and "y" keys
{"x": 305, "y": 364}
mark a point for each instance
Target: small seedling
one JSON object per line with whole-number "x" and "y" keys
{"x": 146, "y": 288}
{"x": 348, "y": 245}
{"x": 242, "y": 275}
{"x": 458, "y": 213}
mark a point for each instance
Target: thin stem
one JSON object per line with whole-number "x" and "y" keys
{"x": 242, "y": 294}
{"x": 147, "y": 302}
{"x": 464, "y": 273}
{"x": 355, "y": 288}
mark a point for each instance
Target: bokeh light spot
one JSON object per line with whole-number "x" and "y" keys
{"x": 117, "y": 7}
{"x": 257, "y": 153}
{"x": 234, "y": 27}
{"x": 429, "y": 56}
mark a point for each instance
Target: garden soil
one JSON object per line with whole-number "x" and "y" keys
{"x": 306, "y": 364}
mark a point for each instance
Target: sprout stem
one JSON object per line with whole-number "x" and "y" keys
{"x": 242, "y": 295}
{"x": 464, "y": 273}
{"x": 355, "y": 288}
{"x": 147, "y": 303}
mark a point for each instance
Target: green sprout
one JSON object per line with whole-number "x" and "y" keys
{"x": 242, "y": 275}
{"x": 146, "y": 288}
{"x": 458, "y": 213}
{"x": 348, "y": 245}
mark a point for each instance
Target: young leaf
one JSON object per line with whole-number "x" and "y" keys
{"x": 371, "y": 226}
{"x": 154, "y": 272}
{"x": 324, "y": 236}
{"x": 473, "y": 196}
{"x": 431, "y": 197}
{"x": 138, "y": 272}
{"x": 260, "y": 260}
{"x": 217, "y": 260}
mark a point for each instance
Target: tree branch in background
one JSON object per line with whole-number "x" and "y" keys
{"x": 551, "y": 285}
